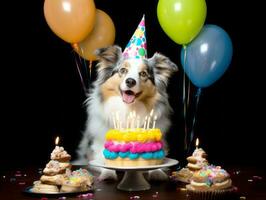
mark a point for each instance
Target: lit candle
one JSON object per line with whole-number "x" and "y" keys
{"x": 113, "y": 117}
{"x": 133, "y": 119}
{"x": 197, "y": 143}
{"x": 148, "y": 124}
{"x": 138, "y": 121}
{"x": 117, "y": 120}
{"x": 127, "y": 122}
{"x": 145, "y": 122}
{"x": 154, "y": 121}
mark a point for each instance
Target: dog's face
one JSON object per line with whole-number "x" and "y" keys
{"x": 132, "y": 79}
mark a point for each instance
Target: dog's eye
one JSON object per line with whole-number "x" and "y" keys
{"x": 122, "y": 70}
{"x": 143, "y": 74}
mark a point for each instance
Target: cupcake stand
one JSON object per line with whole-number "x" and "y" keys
{"x": 133, "y": 179}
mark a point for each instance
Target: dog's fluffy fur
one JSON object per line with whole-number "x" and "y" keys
{"x": 124, "y": 85}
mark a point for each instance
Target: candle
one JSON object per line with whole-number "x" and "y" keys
{"x": 197, "y": 143}
{"x": 148, "y": 124}
{"x": 145, "y": 122}
{"x": 138, "y": 121}
{"x": 57, "y": 141}
{"x": 113, "y": 117}
{"x": 117, "y": 120}
{"x": 127, "y": 122}
{"x": 133, "y": 119}
{"x": 154, "y": 121}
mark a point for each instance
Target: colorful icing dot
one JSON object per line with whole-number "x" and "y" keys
{"x": 142, "y": 51}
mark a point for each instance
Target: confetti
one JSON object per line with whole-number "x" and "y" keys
{"x": 62, "y": 198}
{"x": 242, "y": 198}
{"x": 250, "y": 180}
{"x": 25, "y": 174}
{"x": 88, "y": 195}
{"x": 21, "y": 183}
{"x": 99, "y": 189}
{"x": 135, "y": 197}
{"x": 154, "y": 196}
{"x": 237, "y": 172}
{"x": 4, "y": 176}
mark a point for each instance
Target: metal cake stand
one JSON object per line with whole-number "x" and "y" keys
{"x": 133, "y": 179}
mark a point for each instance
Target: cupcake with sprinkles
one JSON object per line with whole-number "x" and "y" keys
{"x": 210, "y": 183}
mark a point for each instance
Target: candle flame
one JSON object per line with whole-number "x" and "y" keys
{"x": 151, "y": 113}
{"x": 57, "y": 140}
{"x": 197, "y": 142}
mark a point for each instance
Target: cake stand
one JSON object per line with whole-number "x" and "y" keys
{"x": 133, "y": 179}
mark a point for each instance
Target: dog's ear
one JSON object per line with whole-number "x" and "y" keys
{"x": 108, "y": 59}
{"x": 109, "y": 56}
{"x": 163, "y": 67}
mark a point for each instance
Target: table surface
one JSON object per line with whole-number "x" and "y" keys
{"x": 250, "y": 182}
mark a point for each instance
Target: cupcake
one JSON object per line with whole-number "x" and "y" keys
{"x": 195, "y": 162}
{"x": 77, "y": 181}
{"x": 60, "y": 154}
{"x": 210, "y": 183}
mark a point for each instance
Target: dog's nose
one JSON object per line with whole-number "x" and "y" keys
{"x": 130, "y": 82}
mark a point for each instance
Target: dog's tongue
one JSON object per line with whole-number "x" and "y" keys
{"x": 128, "y": 97}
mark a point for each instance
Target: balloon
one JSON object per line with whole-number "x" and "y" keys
{"x": 181, "y": 20}
{"x": 208, "y": 56}
{"x": 102, "y": 35}
{"x": 71, "y": 20}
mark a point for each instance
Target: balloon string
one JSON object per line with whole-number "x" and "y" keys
{"x": 194, "y": 118}
{"x": 90, "y": 67}
{"x": 184, "y": 101}
{"x": 80, "y": 75}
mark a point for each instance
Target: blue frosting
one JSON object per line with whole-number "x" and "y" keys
{"x": 109, "y": 154}
{"x": 133, "y": 156}
{"x": 151, "y": 155}
{"x": 124, "y": 154}
{"x": 147, "y": 155}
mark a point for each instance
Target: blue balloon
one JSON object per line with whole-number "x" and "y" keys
{"x": 208, "y": 56}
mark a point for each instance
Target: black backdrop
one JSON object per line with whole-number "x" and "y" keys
{"x": 42, "y": 96}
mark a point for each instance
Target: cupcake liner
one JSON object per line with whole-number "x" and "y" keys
{"x": 224, "y": 194}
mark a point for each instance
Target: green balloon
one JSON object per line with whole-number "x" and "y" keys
{"x": 182, "y": 20}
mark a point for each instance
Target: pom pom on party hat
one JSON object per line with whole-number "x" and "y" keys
{"x": 137, "y": 46}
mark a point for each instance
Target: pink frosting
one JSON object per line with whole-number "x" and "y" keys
{"x": 134, "y": 147}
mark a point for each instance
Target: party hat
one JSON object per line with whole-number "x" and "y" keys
{"x": 137, "y": 46}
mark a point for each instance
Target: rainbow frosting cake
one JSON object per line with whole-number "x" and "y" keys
{"x": 133, "y": 147}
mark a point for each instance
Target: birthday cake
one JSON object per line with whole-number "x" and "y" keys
{"x": 133, "y": 147}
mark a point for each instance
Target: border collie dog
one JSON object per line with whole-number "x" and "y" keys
{"x": 124, "y": 85}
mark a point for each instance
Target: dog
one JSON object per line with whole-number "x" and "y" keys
{"x": 124, "y": 85}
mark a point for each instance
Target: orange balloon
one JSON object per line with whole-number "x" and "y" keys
{"x": 102, "y": 35}
{"x": 71, "y": 20}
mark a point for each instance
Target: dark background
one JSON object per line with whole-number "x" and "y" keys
{"x": 42, "y": 95}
